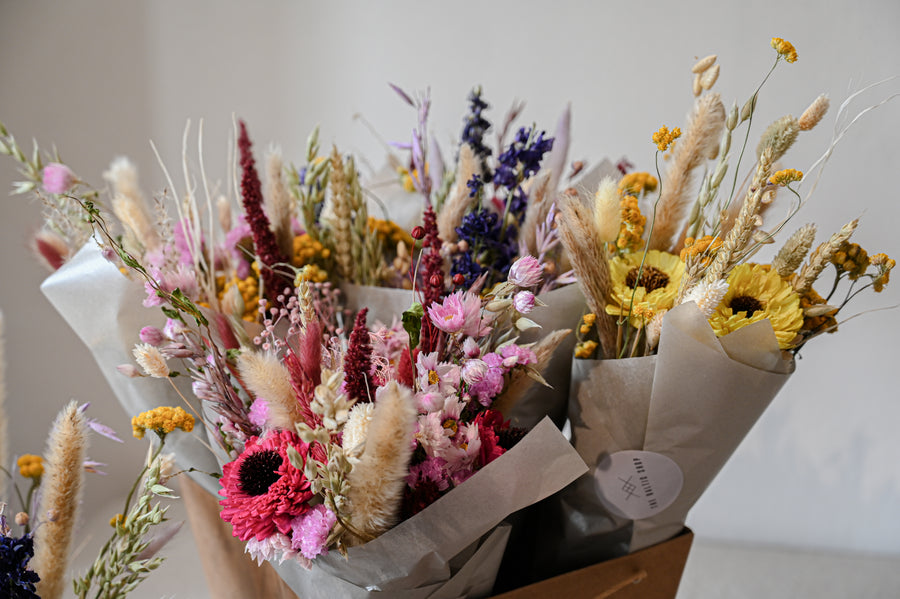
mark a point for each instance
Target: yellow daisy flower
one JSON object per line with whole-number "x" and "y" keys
{"x": 656, "y": 290}
{"x": 756, "y": 292}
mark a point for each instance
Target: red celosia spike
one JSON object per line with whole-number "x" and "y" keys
{"x": 432, "y": 269}
{"x": 358, "y": 381}
{"x": 405, "y": 372}
{"x": 263, "y": 238}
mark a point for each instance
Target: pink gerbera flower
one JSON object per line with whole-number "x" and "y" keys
{"x": 263, "y": 492}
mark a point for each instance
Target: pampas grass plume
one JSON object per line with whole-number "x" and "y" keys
{"x": 61, "y": 494}
{"x": 266, "y": 377}
{"x": 128, "y": 203}
{"x": 458, "y": 201}
{"x": 377, "y": 481}
{"x": 278, "y": 203}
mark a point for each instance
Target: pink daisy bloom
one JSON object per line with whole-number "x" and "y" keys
{"x": 435, "y": 376}
{"x": 263, "y": 492}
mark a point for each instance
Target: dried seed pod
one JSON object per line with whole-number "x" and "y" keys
{"x": 703, "y": 64}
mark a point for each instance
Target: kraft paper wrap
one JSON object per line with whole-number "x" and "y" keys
{"x": 105, "y": 310}
{"x": 564, "y": 306}
{"x": 453, "y": 548}
{"x": 693, "y": 402}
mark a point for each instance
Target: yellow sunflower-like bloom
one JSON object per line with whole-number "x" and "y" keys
{"x": 30, "y": 466}
{"x": 162, "y": 420}
{"x": 755, "y": 293}
{"x": 655, "y": 291}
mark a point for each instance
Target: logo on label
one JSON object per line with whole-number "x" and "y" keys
{"x": 637, "y": 484}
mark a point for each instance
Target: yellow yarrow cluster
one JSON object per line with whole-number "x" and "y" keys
{"x": 311, "y": 273}
{"x": 665, "y": 138}
{"x": 307, "y": 249}
{"x": 785, "y": 49}
{"x": 823, "y": 322}
{"x": 162, "y": 420}
{"x": 637, "y": 183}
{"x": 585, "y": 349}
{"x": 248, "y": 289}
{"x": 884, "y": 266}
{"x": 632, "y": 227}
{"x": 389, "y": 232}
{"x": 704, "y": 247}
{"x": 786, "y": 176}
{"x": 30, "y": 466}
{"x": 588, "y": 321}
{"x": 851, "y": 259}
{"x": 116, "y": 520}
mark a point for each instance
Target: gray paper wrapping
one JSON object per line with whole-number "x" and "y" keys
{"x": 564, "y": 307}
{"x": 104, "y": 309}
{"x": 453, "y": 548}
{"x": 693, "y": 402}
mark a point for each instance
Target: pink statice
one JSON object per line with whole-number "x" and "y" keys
{"x": 311, "y": 530}
{"x": 57, "y": 178}
{"x": 516, "y": 355}
{"x": 523, "y": 302}
{"x": 491, "y": 384}
{"x": 259, "y": 412}
{"x": 185, "y": 243}
{"x": 525, "y": 272}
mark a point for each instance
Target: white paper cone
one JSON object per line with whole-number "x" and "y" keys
{"x": 104, "y": 309}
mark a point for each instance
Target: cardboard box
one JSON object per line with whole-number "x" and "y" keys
{"x": 652, "y": 573}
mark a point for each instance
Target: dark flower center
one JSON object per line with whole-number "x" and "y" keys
{"x": 745, "y": 303}
{"x": 259, "y": 471}
{"x": 651, "y": 278}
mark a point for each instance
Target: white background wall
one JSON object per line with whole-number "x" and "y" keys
{"x": 101, "y": 78}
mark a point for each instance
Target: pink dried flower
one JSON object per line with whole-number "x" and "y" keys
{"x": 128, "y": 370}
{"x": 311, "y": 531}
{"x": 470, "y": 348}
{"x": 525, "y": 272}
{"x": 473, "y": 371}
{"x": 523, "y": 302}
{"x": 450, "y": 315}
{"x": 152, "y": 335}
{"x": 58, "y": 178}
{"x": 259, "y": 412}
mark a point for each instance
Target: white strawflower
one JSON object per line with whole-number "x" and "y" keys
{"x": 707, "y": 295}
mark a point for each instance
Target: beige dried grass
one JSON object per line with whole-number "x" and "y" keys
{"x": 458, "y": 201}
{"x": 520, "y": 382}
{"x": 589, "y": 259}
{"x": 277, "y": 203}
{"x": 60, "y": 497}
{"x": 378, "y": 479}
{"x": 266, "y": 377}
{"x": 701, "y": 137}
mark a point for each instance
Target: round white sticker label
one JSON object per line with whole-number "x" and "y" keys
{"x": 637, "y": 484}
